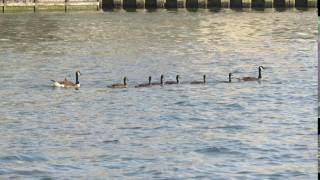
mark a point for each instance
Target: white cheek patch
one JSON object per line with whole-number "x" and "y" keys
{"x": 56, "y": 84}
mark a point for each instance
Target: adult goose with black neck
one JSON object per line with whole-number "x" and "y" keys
{"x": 249, "y": 78}
{"x": 173, "y": 82}
{"x": 229, "y": 78}
{"x": 119, "y": 85}
{"x": 145, "y": 84}
{"x": 200, "y": 82}
{"x": 66, "y": 83}
{"x": 159, "y": 83}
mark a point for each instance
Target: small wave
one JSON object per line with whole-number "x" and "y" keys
{"x": 277, "y": 82}
{"x": 111, "y": 141}
{"x": 184, "y": 103}
{"x": 137, "y": 127}
{"x": 235, "y": 106}
{"x": 217, "y": 151}
{"x": 244, "y": 172}
{"x": 64, "y": 167}
{"x": 197, "y": 119}
{"x": 4, "y": 171}
{"x": 231, "y": 127}
{"x": 160, "y": 127}
{"x": 34, "y": 172}
{"x": 82, "y": 134}
{"x": 28, "y": 158}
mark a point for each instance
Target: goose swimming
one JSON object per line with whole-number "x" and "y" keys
{"x": 159, "y": 83}
{"x": 229, "y": 78}
{"x": 200, "y": 82}
{"x": 173, "y": 82}
{"x": 119, "y": 85}
{"x": 145, "y": 84}
{"x": 260, "y": 68}
{"x": 66, "y": 83}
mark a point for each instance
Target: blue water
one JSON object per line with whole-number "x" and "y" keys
{"x": 241, "y": 130}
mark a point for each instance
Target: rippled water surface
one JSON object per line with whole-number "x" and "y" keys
{"x": 242, "y": 130}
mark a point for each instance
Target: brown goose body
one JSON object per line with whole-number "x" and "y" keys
{"x": 119, "y": 85}
{"x": 249, "y": 79}
{"x": 173, "y": 82}
{"x": 253, "y": 78}
{"x": 66, "y": 83}
{"x": 200, "y": 82}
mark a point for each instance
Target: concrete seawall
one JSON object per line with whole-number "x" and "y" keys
{"x": 66, "y": 5}
{"x": 48, "y": 5}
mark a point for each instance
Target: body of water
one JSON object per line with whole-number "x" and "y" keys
{"x": 245, "y": 130}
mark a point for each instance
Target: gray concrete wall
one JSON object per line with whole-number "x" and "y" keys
{"x": 47, "y": 5}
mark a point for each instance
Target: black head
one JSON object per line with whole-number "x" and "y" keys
{"x": 204, "y": 78}
{"x": 78, "y": 73}
{"x": 177, "y": 78}
{"x": 260, "y": 68}
{"x": 161, "y": 79}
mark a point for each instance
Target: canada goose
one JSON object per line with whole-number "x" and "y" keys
{"x": 229, "y": 79}
{"x": 145, "y": 84}
{"x": 161, "y": 81}
{"x": 66, "y": 83}
{"x": 253, "y": 78}
{"x": 200, "y": 82}
{"x": 124, "y": 85}
{"x": 174, "y": 82}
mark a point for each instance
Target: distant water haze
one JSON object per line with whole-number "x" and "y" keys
{"x": 244, "y": 130}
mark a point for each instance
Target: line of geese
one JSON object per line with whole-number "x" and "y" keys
{"x": 68, "y": 84}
